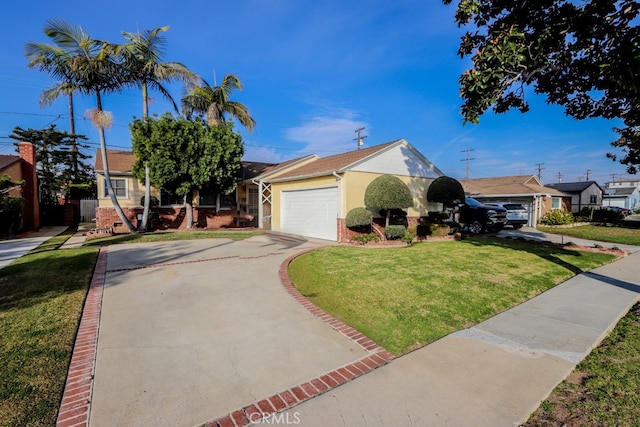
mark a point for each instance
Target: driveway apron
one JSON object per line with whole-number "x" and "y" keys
{"x": 192, "y": 330}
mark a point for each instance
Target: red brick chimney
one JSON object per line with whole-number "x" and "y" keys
{"x": 31, "y": 210}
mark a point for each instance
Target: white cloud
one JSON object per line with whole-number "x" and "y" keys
{"x": 327, "y": 134}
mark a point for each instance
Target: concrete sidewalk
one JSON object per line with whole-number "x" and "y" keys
{"x": 493, "y": 374}
{"x": 12, "y": 249}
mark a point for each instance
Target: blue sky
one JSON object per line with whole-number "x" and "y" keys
{"x": 313, "y": 72}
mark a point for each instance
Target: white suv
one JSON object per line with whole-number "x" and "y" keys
{"x": 517, "y": 215}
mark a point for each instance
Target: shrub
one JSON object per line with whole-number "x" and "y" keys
{"x": 358, "y": 217}
{"x": 557, "y": 217}
{"x": 153, "y": 201}
{"x": 388, "y": 192}
{"x": 365, "y": 238}
{"x": 395, "y": 232}
{"x": 433, "y": 230}
{"x": 445, "y": 190}
{"x": 604, "y": 215}
{"x": 408, "y": 237}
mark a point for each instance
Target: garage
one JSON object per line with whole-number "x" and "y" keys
{"x": 310, "y": 212}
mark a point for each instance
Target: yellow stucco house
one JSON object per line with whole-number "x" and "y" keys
{"x": 307, "y": 196}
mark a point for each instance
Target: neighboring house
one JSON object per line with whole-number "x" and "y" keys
{"x": 308, "y": 196}
{"x": 312, "y": 196}
{"x": 584, "y": 194}
{"x": 23, "y": 168}
{"x": 524, "y": 189}
{"x": 624, "y": 193}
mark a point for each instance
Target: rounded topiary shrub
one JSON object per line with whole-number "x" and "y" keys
{"x": 395, "y": 232}
{"x": 445, "y": 190}
{"x": 358, "y": 217}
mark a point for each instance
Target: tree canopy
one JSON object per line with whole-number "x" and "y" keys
{"x": 445, "y": 190}
{"x": 584, "y": 56}
{"x": 186, "y": 155}
{"x": 387, "y": 192}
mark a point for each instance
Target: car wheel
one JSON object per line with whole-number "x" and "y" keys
{"x": 517, "y": 226}
{"x": 475, "y": 227}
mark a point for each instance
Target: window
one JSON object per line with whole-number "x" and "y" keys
{"x": 555, "y": 203}
{"x": 207, "y": 199}
{"x": 220, "y": 201}
{"x": 227, "y": 201}
{"x": 252, "y": 206}
{"x": 168, "y": 199}
{"x": 119, "y": 187}
{"x": 593, "y": 199}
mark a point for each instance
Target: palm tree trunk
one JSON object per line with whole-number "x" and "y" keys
{"x": 147, "y": 198}
{"x": 107, "y": 175}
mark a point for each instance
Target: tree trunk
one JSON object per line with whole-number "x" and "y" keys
{"x": 107, "y": 175}
{"x": 147, "y": 199}
{"x": 188, "y": 205}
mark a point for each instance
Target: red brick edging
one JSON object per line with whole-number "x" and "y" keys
{"x": 76, "y": 398}
{"x": 289, "y": 398}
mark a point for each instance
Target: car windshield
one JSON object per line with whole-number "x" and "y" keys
{"x": 472, "y": 202}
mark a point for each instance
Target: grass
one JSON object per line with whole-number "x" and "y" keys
{"x": 172, "y": 235}
{"x": 602, "y": 390}
{"x": 406, "y": 298}
{"x": 627, "y": 236}
{"x": 41, "y": 298}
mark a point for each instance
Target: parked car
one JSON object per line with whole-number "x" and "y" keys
{"x": 477, "y": 217}
{"x": 517, "y": 215}
{"x": 623, "y": 211}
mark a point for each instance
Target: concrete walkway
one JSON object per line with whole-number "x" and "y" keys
{"x": 12, "y": 249}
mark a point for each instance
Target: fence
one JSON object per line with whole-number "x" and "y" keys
{"x": 88, "y": 210}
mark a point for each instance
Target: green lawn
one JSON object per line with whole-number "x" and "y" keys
{"x": 603, "y": 389}
{"x": 627, "y": 236}
{"x": 404, "y": 298}
{"x": 41, "y": 298}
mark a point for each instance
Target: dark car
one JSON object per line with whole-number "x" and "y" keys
{"x": 477, "y": 217}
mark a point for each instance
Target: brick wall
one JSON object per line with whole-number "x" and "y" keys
{"x": 31, "y": 210}
{"x": 345, "y": 234}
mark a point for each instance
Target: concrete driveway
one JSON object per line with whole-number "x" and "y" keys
{"x": 192, "y": 330}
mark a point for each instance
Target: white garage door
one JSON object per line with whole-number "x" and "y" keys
{"x": 311, "y": 213}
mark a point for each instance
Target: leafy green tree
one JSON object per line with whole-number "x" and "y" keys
{"x": 10, "y": 206}
{"x": 59, "y": 162}
{"x": 90, "y": 67}
{"x": 388, "y": 192}
{"x": 214, "y": 103}
{"x": 445, "y": 190}
{"x": 187, "y": 155}
{"x": 141, "y": 56}
{"x": 584, "y": 56}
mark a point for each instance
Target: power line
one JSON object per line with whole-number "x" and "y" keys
{"x": 540, "y": 169}
{"x": 359, "y": 138}
{"x": 467, "y": 159}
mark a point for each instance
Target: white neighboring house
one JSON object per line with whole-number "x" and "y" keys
{"x": 584, "y": 194}
{"x": 624, "y": 193}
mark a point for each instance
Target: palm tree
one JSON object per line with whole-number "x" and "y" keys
{"x": 214, "y": 103}
{"x": 89, "y": 67}
{"x": 141, "y": 58}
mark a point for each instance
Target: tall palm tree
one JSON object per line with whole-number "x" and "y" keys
{"x": 91, "y": 68}
{"x": 141, "y": 58}
{"x": 214, "y": 102}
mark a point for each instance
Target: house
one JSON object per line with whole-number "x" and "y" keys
{"x": 23, "y": 168}
{"x": 312, "y": 196}
{"x": 584, "y": 194}
{"x": 309, "y": 196}
{"x": 624, "y": 193}
{"x": 526, "y": 190}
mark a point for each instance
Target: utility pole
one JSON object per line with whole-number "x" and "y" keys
{"x": 467, "y": 159}
{"x": 359, "y": 138}
{"x": 588, "y": 172}
{"x": 560, "y": 177}
{"x": 540, "y": 169}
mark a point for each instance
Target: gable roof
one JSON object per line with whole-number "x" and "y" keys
{"x": 7, "y": 160}
{"x": 280, "y": 167}
{"x": 573, "y": 187}
{"x": 119, "y": 161}
{"x": 518, "y": 185}
{"x": 339, "y": 163}
{"x": 620, "y": 191}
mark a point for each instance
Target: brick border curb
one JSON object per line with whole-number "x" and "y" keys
{"x": 76, "y": 399}
{"x": 287, "y": 399}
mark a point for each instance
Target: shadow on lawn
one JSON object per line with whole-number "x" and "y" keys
{"x": 547, "y": 251}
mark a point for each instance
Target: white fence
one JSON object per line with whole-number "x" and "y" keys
{"x": 88, "y": 210}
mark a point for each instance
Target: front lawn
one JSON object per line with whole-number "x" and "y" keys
{"x": 41, "y": 298}
{"x": 404, "y": 298}
{"x": 627, "y": 236}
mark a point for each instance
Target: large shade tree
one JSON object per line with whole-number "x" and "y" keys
{"x": 584, "y": 56}
{"x": 91, "y": 68}
{"x": 387, "y": 192}
{"x": 185, "y": 156}
{"x": 141, "y": 58}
